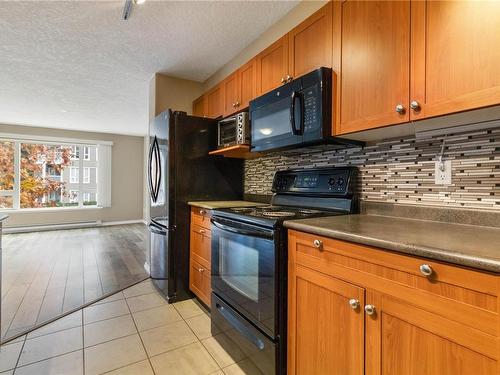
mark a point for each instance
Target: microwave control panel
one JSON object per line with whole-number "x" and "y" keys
{"x": 312, "y": 107}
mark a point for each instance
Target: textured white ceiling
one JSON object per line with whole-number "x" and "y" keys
{"x": 78, "y": 65}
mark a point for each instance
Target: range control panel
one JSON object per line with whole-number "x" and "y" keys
{"x": 337, "y": 181}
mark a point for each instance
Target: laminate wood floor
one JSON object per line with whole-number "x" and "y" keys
{"x": 46, "y": 274}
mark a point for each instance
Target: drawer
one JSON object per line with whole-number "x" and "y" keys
{"x": 200, "y": 217}
{"x": 465, "y": 294}
{"x": 199, "y": 281}
{"x": 200, "y": 243}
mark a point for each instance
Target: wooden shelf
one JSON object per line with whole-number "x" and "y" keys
{"x": 238, "y": 152}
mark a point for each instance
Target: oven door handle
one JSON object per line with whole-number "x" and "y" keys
{"x": 246, "y": 232}
{"x": 240, "y": 327}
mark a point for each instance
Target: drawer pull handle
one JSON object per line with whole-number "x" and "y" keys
{"x": 354, "y": 303}
{"x": 426, "y": 270}
{"x": 202, "y": 212}
{"x": 370, "y": 309}
{"x": 201, "y": 231}
{"x": 201, "y": 270}
{"x": 317, "y": 244}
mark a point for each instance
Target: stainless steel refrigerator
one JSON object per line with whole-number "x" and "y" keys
{"x": 180, "y": 170}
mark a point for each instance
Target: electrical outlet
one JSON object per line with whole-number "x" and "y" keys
{"x": 443, "y": 177}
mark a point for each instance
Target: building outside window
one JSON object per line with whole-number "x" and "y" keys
{"x": 75, "y": 152}
{"x": 86, "y": 153}
{"x": 86, "y": 175}
{"x": 73, "y": 196}
{"x": 74, "y": 175}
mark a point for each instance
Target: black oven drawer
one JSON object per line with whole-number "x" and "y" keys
{"x": 234, "y": 333}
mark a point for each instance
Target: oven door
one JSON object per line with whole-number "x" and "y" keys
{"x": 243, "y": 270}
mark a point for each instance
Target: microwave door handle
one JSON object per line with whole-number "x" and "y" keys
{"x": 240, "y": 327}
{"x": 253, "y": 233}
{"x": 297, "y": 95}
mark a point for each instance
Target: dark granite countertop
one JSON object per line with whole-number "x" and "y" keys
{"x": 466, "y": 245}
{"x": 3, "y": 217}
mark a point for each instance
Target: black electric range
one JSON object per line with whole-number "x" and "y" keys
{"x": 249, "y": 260}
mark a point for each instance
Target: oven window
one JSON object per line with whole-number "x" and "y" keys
{"x": 239, "y": 267}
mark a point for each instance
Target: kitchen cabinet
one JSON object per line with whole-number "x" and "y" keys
{"x": 326, "y": 324}
{"x": 200, "y": 254}
{"x": 231, "y": 93}
{"x": 215, "y": 102}
{"x": 200, "y": 106}
{"x": 272, "y": 66}
{"x": 415, "y": 315}
{"x": 248, "y": 83}
{"x": 375, "y": 61}
{"x": 310, "y": 43}
{"x": 455, "y": 57}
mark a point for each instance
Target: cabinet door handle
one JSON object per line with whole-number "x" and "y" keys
{"x": 354, "y": 303}
{"x": 317, "y": 244}
{"x": 370, "y": 309}
{"x": 201, "y": 270}
{"x": 289, "y": 78}
{"x": 400, "y": 109}
{"x": 415, "y": 105}
{"x": 426, "y": 270}
{"x": 237, "y": 104}
{"x": 283, "y": 79}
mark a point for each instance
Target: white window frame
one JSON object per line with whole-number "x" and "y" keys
{"x": 18, "y": 139}
{"x": 75, "y": 152}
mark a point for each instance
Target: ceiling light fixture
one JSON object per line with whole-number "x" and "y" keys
{"x": 127, "y": 8}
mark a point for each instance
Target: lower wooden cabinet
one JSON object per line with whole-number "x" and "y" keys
{"x": 354, "y": 309}
{"x": 200, "y": 254}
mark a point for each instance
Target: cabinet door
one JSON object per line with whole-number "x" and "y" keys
{"x": 200, "y": 106}
{"x": 272, "y": 66}
{"x": 247, "y": 84}
{"x": 375, "y": 64}
{"x": 455, "y": 56}
{"x": 325, "y": 334}
{"x": 199, "y": 281}
{"x": 403, "y": 339}
{"x": 231, "y": 93}
{"x": 310, "y": 43}
{"x": 215, "y": 102}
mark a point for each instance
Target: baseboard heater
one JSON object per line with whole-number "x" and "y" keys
{"x": 47, "y": 227}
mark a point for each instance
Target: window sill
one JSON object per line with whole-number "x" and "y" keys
{"x": 47, "y": 209}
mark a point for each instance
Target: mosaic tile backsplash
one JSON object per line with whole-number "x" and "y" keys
{"x": 402, "y": 170}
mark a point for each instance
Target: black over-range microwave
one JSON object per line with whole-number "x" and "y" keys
{"x": 296, "y": 114}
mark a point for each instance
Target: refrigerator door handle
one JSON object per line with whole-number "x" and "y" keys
{"x": 158, "y": 170}
{"x": 150, "y": 177}
{"x": 154, "y": 229}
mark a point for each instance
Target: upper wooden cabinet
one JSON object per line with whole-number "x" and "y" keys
{"x": 455, "y": 56}
{"x": 248, "y": 83}
{"x": 374, "y": 81}
{"x": 239, "y": 88}
{"x": 215, "y": 102}
{"x": 200, "y": 106}
{"x": 231, "y": 93}
{"x": 310, "y": 43}
{"x": 272, "y": 66}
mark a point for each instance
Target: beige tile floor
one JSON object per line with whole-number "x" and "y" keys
{"x": 134, "y": 332}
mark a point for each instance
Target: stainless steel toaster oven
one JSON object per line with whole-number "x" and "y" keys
{"x": 234, "y": 130}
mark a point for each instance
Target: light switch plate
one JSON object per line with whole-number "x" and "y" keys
{"x": 443, "y": 177}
